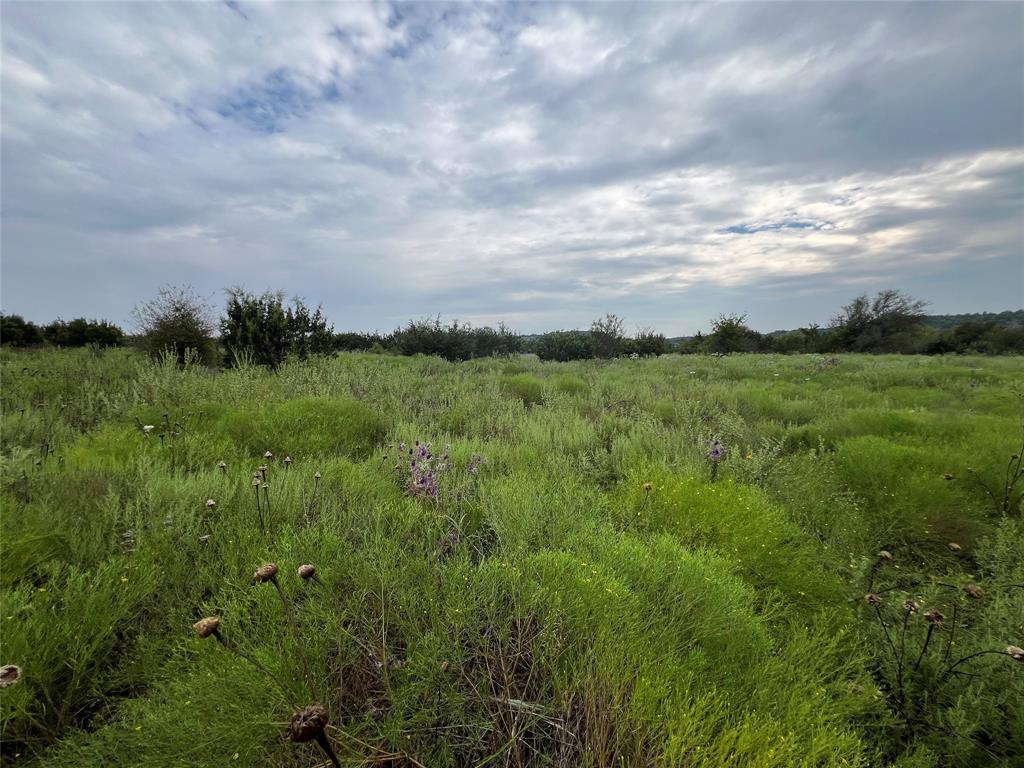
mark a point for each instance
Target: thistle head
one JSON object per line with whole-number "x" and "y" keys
{"x": 266, "y": 572}
{"x": 268, "y": 455}
{"x": 222, "y": 466}
{"x": 911, "y": 606}
{"x": 973, "y": 590}
{"x": 11, "y": 674}
{"x": 648, "y": 487}
{"x": 307, "y": 571}
{"x": 873, "y": 600}
{"x": 307, "y": 723}
{"x": 953, "y": 547}
{"x": 316, "y": 475}
{"x": 287, "y": 460}
{"x": 948, "y": 476}
{"x": 256, "y": 481}
{"x": 210, "y": 503}
{"x": 885, "y": 555}
{"x": 1015, "y": 653}
{"x": 206, "y": 627}
{"x": 935, "y": 617}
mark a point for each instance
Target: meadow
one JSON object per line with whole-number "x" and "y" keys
{"x": 517, "y": 563}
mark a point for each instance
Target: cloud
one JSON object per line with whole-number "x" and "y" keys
{"x": 541, "y": 163}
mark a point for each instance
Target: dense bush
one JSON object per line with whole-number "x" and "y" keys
{"x": 457, "y": 341}
{"x": 564, "y": 346}
{"x": 16, "y": 331}
{"x": 263, "y": 330}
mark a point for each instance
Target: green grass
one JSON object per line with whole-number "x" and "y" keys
{"x": 594, "y": 596}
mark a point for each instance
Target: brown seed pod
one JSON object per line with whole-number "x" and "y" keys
{"x": 954, "y": 547}
{"x": 948, "y": 476}
{"x": 648, "y": 487}
{"x": 268, "y": 455}
{"x": 11, "y": 674}
{"x": 206, "y": 627}
{"x": 307, "y": 723}
{"x": 210, "y": 503}
{"x": 222, "y": 465}
{"x": 287, "y": 459}
{"x": 885, "y": 554}
{"x": 307, "y": 571}
{"x": 873, "y": 600}
{"x": 973, "y": 590}
{"x": 934, "y": 617}
{"x": 1017, "y": 654}
{"x": 316, "y": 476}
{"x": 911, "y": 606}
{"x": 266, "y": 572}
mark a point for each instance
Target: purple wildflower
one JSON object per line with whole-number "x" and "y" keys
{"x": 716, "y": 451}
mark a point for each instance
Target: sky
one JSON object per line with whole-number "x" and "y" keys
{"x": 539, "y": 164}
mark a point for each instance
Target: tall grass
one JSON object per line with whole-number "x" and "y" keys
{"x": 594, "y": 593}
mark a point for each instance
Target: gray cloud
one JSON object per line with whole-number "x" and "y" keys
{"x": 541, "y": 164}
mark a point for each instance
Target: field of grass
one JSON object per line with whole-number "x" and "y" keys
{"x": 586, "y": 588}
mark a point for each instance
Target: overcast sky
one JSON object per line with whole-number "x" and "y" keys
{"x": 538, "y": 164}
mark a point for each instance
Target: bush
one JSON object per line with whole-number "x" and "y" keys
{"x": 526, "y": 388}
{"x": 81, "y": 332}
{"x": 265, "y": 331}
{"x": 16, "y": 331}
{"x": 565, "y": 345}
{"x": 176, "y": 321}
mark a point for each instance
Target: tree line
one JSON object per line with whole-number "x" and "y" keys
{"x": 266, "y": 329}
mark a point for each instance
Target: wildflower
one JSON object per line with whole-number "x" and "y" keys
{"x": 885, "y": 555}
{"x": 911, "y": 606}
{"x": 307, "y": 571}
{"x": 11, "y": 674}
{"x": 206, "y": 627}
{"x": 266, "y": 572}
{"x": 934, "y": 617}
{"x": 973, "y": 590}
{"x": 474, "y": 464}
{"x": 716, "y": 451}
{"x": 210, "y": 503}
{"x": 954, "y": 547}
{"x": 307, "y": 723}
{"x": 1015, "y": 653}
{"x": 873, "y": 600}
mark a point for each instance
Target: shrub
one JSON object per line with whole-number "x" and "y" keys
{"x": 565, "y": 345}
{"x": 264, "y": 330}
{"x": 16, "y": 331}
{"x": 176, "y": 321}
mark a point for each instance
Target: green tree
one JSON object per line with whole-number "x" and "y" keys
{"x": 608, "y": 335}
{"x": 176, "y": 321}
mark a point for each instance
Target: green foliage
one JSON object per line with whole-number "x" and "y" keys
{"x": 565, "y": 345}
{"x": 550, "y": 608}
{"x": 179, "y": 322}
{"x": 261, "y": 329}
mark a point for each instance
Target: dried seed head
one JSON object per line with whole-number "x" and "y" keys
{"x": 206, "y": 627}
{"x": 263, "y": 469}
{"x": 1017, "y": 654}
{"x": 256, "y": 481}
{"x": 647, "y": 487}
{"x": 911, "y": 606}
{"x": 268, "y": 455}
{"x": 222, "y": 465}
{"x": 934, "y": 617}
{"x": 148, "y": 428}
{"x": 885, "y": 555}
{"x": 210, "y": 503}
{"x": 316, "y": 476}
{"x": 948, "y": 476}
{"x": 11, "y": 673}
{"x": 265, "y": 572}
{"x": 287, "y": 460}
{"x": 307, "y": 571}
{"x": 873, "y": 600}
{"x": 308, "y": 723}
{"x": 973, "y": 590}
{"x": 954, "y": 547}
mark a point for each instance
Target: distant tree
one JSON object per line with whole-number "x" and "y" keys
{"x": 730, "y": 333}
{"x": 177, "y": 320}
{"x": 80, "y": 332}
{"x": 646, "y": 343}
{"x": 16, "y": 331}
{"x": 608, "y": 335}
{"x": 266, "y": 331}
{"x": 565, "y": 345}
{"x": 890, "y": 322}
